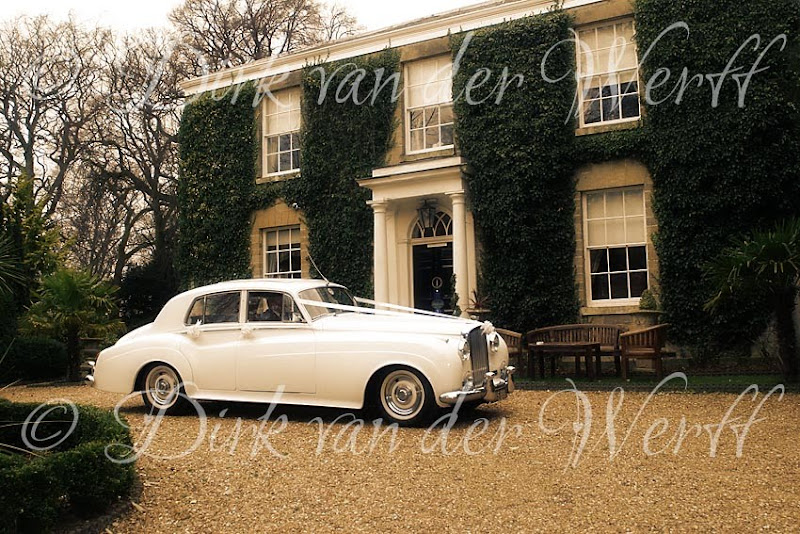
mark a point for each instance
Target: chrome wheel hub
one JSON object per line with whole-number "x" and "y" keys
{"x": 402, "y": 394}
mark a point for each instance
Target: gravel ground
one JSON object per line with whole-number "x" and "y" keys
{"x": 323, "y": 475}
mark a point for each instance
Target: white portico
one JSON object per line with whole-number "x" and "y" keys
{"x": 414, "y": 255}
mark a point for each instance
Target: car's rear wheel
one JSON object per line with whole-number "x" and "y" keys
{"x": 404, "y": 397}
{"x": 162, "y": 389}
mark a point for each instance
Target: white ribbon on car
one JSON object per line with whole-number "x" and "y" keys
{"x": 375, "y": 311}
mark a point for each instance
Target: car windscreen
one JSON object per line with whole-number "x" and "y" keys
{"x": 330, "y": 295}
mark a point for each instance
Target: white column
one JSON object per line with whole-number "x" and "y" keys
{"x": 381, "y": 263}
{"x": 460, "y": 265}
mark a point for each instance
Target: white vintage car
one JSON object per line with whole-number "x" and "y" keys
{"x": 305, "y": 342}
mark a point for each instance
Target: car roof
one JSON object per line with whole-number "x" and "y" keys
{"x": 266, "y": 284}
{"x": 174, "y": 311}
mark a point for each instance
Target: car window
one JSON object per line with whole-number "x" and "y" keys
{"x": 215, "y": 309}
{"x": 196, "y": 311}
{"x": 270, "y": 306}
{"x": 331, "y": 295}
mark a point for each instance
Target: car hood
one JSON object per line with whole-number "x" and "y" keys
{"x": 399, "y": 323}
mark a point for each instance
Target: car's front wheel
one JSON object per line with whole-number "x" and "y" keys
{"x": 162, "y": 389}
{"x": 404, "y": 397}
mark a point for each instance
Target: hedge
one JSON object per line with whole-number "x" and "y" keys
{"x": 75, "y": 477}
{"x": 34, "y": 358}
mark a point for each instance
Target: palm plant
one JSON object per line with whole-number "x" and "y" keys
{"x": 10, "y": 272}
{"x": 764, "y": 265}
{"x": 71, "y": 304}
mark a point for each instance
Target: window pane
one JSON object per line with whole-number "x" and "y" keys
{"x": 272, "y": 163}
{"x": 610, "y": 109}
{"x": 637, "y": 258}
{"x": 222, "y": 308}
{"x": 432, "y": 137}
{"x": 600, "y": 287}
{"x": 285, "y": 143}
{"x": 447, "y": 135}
{"x": 614, "y": 206}
{"x": 599, "y": 261}
{"x": 296, "y": 159}
{"x": 417, "y": 138}
{"x": 285, "y": 161}
{"x": 416, "y": 119}
{"x": 630, "y": 106}
{"x": 272, "y": 145}
{"x": 595, "y": 206}
{"x": 272, "y": 240}
{"x": 615, "y": 232}
{"x": 618, "y": 259}
{"x": 283, "y": 261}
{"x": 610, "y": 90}
{"x": 619, "y": 286}
{"x": 431, "y": 116}
{"x": 446, "y": 114}
{"x": 635, "y": 230}
{"x": 597, "y": 233}
{"x": 634, "y": 202}
{"x": 638, "y": 284}
{"x": 591, "y": 112}
{"x": 295, "y": 140}
{"x": 295, "y": 259}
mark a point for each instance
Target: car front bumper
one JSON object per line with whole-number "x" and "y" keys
{"x": 495, "y": 389}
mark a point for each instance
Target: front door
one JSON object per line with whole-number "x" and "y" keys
{"x": 433, "y": 273}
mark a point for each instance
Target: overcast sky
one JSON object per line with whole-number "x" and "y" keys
{"x": 133, "y": 14}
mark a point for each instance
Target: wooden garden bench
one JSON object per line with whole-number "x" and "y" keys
{"x": 644, "y": 345}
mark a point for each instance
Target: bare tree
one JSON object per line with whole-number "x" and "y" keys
{"x": 104, "y": 222}
{"x": 337, "y": 23}
{"x": 48, "y": 94}
{"x": 134, "y": 141}
{"x": 225, "y": 33}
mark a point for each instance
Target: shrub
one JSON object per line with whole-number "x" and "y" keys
{"x": 76, "y": 476}
{"x": 34, "y": 358}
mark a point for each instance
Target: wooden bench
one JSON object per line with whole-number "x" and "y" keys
{"x": 579, "y": 335}
{"x": 514, "y": 343}
{"x": 644, "y": 345}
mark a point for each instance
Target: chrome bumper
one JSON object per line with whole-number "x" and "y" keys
{"x": 90, "y": 377}
{"x": 495, "y": 389}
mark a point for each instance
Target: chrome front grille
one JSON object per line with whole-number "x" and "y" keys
{"x": 480, "y": 356}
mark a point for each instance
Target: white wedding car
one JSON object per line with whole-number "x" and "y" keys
{"x": 306, "y": 342}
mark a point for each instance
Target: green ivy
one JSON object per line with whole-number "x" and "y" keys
{"x": 340, "y": 143}
{"x": 521, "y": 186}
{"x": 217, "y": 189}
{"x": 718, "y": 172}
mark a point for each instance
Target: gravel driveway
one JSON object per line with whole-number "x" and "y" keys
{"x": 527, "y": 471}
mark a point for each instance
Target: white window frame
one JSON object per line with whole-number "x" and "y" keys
{"x": 582, "y": 77}
{"x": 610, "y": 302}
{"x": 267, "y": 135}
{"x": 408, "y": 110}
{"x": 292, "y": 248}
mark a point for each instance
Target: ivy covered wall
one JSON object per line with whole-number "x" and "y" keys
{"x": 720, "y": 168}
{"x": 342, "y": 142}
{"x": 520, "y": 181}
{"x": 216, "y": 192}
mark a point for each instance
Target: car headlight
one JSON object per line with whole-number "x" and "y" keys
{"x": 464, "y": 349}
{"x": 494, "y": 342}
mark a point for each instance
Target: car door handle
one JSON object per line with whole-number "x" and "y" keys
{"x": 247, "y": 331}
